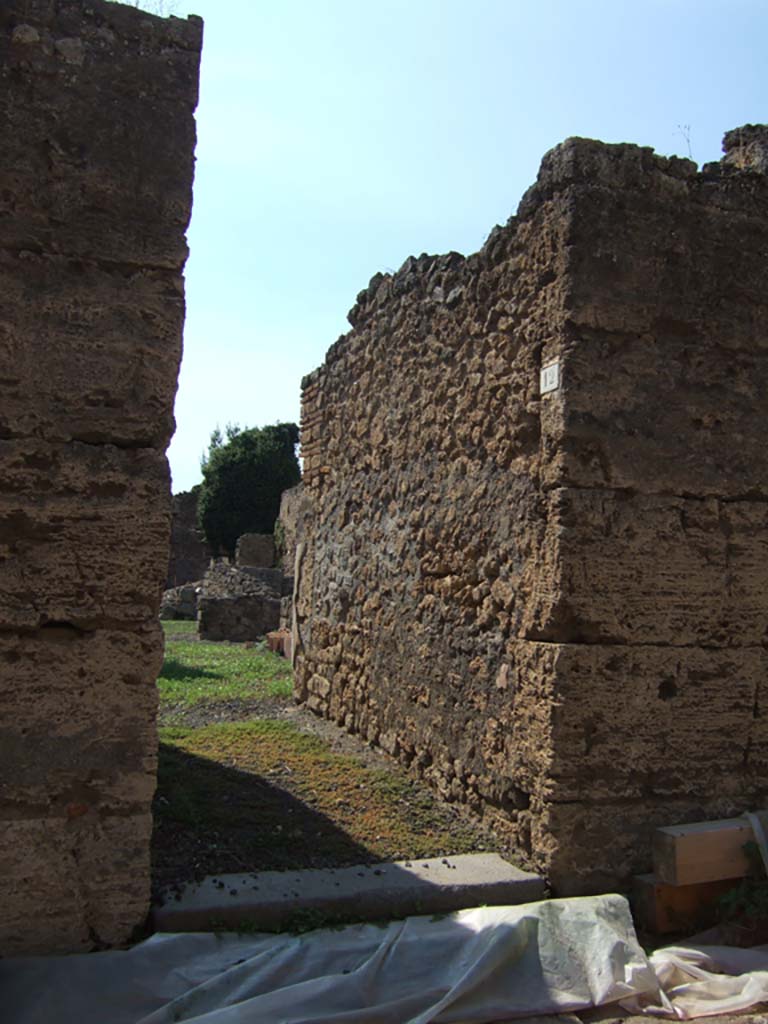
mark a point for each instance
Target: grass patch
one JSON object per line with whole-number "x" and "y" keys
{"x": 262, "y": 795}
{"x": 178, "y": 627}
{"x": 196, "y": 671}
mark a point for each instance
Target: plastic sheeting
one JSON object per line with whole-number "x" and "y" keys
{"x": 475, "y": 966}
{"x": 705, "y": 981}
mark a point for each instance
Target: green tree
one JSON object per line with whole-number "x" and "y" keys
{"x": 244, "y": 475}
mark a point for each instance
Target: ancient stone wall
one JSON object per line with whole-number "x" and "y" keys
{"x": 289, "y": 526}
{"x": 190, "y": 555}
{"x": 97, "y": 134}
{"x": 552, "y": 600}
{"x": 239, "y": 604}
{"x": 256, "y": 550}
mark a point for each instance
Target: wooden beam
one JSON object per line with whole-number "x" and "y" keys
{"x": 704, "y": 851}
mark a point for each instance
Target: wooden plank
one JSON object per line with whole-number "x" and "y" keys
{"x": 661, "y": 909}
{"x": 704, "y": 851}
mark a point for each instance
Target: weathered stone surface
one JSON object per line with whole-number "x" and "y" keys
{"x": 635, "y": 722}
{"x": 294, "y": 505}
{"x": 286, "y": 608}
{"x": 190, "y": 555}
{"x": 655, "y": 569}
{"x": 746, "y": 148}
{"x": 239, "y": 604}
{"x": 663, "y": 353}
{"x": 110, "y": 335}
{"x": 365, "y": 892}
{"x": 554, "y": 604}
{"x": 180, "y": 602}
{"x": 97, "y": 134}
{"x": 255, "y": 549}
{"x": 118, "y": 189}
{"x": 74, "y": 904}
{"x": 77, "y": 718}
{"x": 582, "y": 862}
{"x": 83, "y": 529}
{"x": 237, "y": 618}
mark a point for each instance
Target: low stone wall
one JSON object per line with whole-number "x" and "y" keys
{"x": 97, "y": 136}
{"x": 536, "y": 543}
{"x": 181, "y": 602}
{"x": 239, "y": 604}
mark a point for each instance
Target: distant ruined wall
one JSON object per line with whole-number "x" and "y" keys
{"x": 190, "y": 555}
{"x": 97, "y": 134}
{"x": 555, "y": 604}
{"x": 255, "y": 549}
{"x": 290, "y": 526}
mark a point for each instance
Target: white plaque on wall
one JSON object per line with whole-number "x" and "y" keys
{"x": 549, "y": 380}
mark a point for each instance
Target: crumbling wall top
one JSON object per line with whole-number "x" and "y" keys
{"x": 746, "y": 148}
{"x": 442, "y": 281}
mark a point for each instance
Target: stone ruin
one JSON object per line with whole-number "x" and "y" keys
{"x": 256, "y": 550}
{"x": 243, "y": 601}
{"x": 534, "y": 535}
{"x": 237, "y": 601}
{"x": 289, "y": 526}
{"x": 98, "y": 134}
{"x": 231, "y": 601}
{"x": 190, "y": 555}
{"x": 536, "y": 550}
{"x": 181, "y": 602}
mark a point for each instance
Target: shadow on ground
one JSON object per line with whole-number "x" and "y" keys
{"x": 212, "y": 818}
{"x": 179, "y": 670}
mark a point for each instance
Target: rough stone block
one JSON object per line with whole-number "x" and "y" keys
{"x": 656, "y": 569}
{"x": 72, "y": 885}
{"x": 77, "y": 708}
{"x": 255, "y": 549}
{"x": 97, "y": 134}
{"x": 237, "y": 618}
{"x": 83, "y": 533}
{"x": 364, "y": 892}
{"x": 644, "y": 722}
{"x": 190, "y": 555}
{"x": 118, "y": 170}
{"x": 294, "y": 505}
{"x": 180, "y": 603}
{"x": 595, "y": 847}
{"x": 112, "y": 343}
{"x": 664, "y": 353}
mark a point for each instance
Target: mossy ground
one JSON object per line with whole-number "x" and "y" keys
{"x": 197, "y": 672}
{"x": 263, "y": 794}
{"x": 178, "y": 627}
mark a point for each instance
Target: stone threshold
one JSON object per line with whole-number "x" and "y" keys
{"x": 297, "y": 900}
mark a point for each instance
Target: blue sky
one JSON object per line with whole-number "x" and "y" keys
{"x": 336, "y": 138}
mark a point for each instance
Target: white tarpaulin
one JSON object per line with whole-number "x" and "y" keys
{"x": 475, "y": 966}
{"x": 705, "y": 981}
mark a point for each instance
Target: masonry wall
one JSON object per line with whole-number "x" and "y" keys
{"x": 554, "y": 605}
{"x": 289, "y": 527}
{"x": 190, "y": 555}
{"x": 97, "y": 135}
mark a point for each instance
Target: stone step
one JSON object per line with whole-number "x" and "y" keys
{"x": 273, "y": 900}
